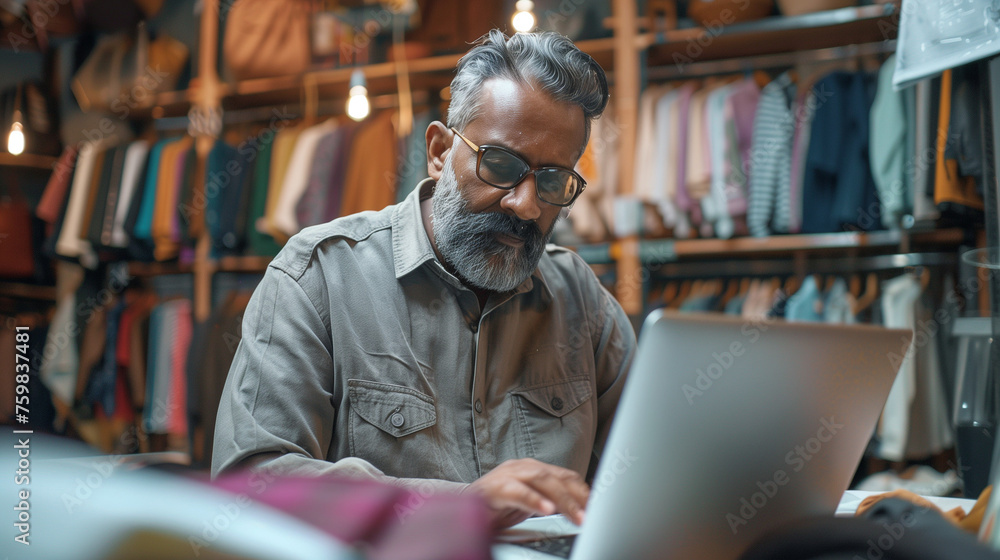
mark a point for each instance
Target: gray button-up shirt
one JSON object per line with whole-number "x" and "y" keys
{"x": 362, "y": 355}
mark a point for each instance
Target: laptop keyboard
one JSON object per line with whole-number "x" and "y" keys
{"x": 556, "y": 546}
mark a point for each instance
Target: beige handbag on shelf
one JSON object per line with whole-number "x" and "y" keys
{"x": 265, "y": 38}
{"x": 128, "y": 70}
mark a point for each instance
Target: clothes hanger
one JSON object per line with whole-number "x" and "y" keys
{"x": 854, "y": 286}
{"x": 744, "y": 286}
{"x": 871, "y": 294}
{"x": 682, "y": 295}
{"x": 669, "y": 293}
{"x": 792, "y": 284}
{"x": 732, "y": 288}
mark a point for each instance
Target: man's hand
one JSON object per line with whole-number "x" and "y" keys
{"x": 520, "y": 488}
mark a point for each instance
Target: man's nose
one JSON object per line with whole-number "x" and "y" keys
{"x": 523, "y": 200}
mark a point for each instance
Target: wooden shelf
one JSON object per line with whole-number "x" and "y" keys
{"x": 139, "y": 268}
{"x": 242, "y": 264}
{"x": 780, "y": 34}
{"x": 28, "y": 160}
{"x": 431, "y": 73}
{"x": 668, "y": 250}
{"x": 27, "y": 291}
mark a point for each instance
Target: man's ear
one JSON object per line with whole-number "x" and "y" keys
{"x": 439, "y": 139}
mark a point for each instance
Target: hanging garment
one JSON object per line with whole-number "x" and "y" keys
{"x": 62, "y": 357}
{"x": 646, "y": 168}
{"x": 915, "y": 421}
{"x": 370, "y": 182}
{"x": 325, "y": 177}
{"x": 807, "y": 303}
{"x": 677, "y": 173}
{"x": 888, "y": 147}
{"x": 57, "y": 187}
{"x": 227, "y": 174}
{"x": 714, "y": 207}
{"x": 281, "y": 155}
{"x": 413, "y": 165}
{"x": 165, "y": 228}
{"x": 662, "y": 187}
{"x": 258, "y": 241}
{"x": 771, "y": 154}
{"x": 740, "y": 114}
{"x": 838, "y": 307}
{"x": 143, "y": 228}
{"x": 135, "y": 162}
{"x": 698, "y": 165}
{"x": 923, "y": 165}
{"x": 296, "y": 180}
{"x": 838, "y": 191}
{"x": 959, "y": 144}
{"x": 69, "y": 244}
{"x": 806, "y": 105}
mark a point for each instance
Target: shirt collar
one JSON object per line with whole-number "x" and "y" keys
{"x": 411, "y": 246}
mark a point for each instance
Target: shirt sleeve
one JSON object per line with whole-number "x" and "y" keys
{"x": 277, "y": 412}
{"x": 613, "y": 356}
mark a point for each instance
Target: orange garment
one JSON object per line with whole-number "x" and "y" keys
{"x": 164, "y": 241}
{"x": 949, "y": 186}
{"x": 370, "y": 179}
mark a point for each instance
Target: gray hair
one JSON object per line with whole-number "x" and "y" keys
{"x": 547, "y": 60}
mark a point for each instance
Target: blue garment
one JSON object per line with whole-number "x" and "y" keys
{"x": 144, "y": 223}
{"x": 804, "y": 304}
{"x": 152, "y": 357}
{"x": 838, "y": 191}
{"x": 735, "y": 305}
{"x": 837, "y": 306}
{"x": 101, "y": 386}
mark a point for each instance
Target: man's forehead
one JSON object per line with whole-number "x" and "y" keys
{"x": 506, "y": 103}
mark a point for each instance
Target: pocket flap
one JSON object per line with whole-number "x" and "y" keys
{"x": 394, "y": 409}
{"x": 558, "y": 399}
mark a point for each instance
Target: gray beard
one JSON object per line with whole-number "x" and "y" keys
{"x": 468, "y": 244}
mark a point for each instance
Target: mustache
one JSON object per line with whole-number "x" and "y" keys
{"x": 496, "y": 222}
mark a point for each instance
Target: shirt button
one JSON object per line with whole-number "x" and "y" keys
{"x": 396, "y": 419}
{"x": 557, "y": 403}
{"x": 479, "y": 406}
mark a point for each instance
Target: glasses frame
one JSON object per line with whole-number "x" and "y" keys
{"x": 480, "y": 150}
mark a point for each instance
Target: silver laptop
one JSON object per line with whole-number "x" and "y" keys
{"x": 728, "y": 429}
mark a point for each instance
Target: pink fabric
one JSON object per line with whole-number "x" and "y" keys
{"x": 684, "y": 106}
{"x": 177, "y": 400}
{"x": 741, "y": 108}
{"x": 387, "y": 522}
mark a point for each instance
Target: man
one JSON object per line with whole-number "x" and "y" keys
{"x": 439, "y": 341}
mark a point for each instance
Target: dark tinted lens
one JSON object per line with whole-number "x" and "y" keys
{"x": 501, "y": 168}
{"x": 556, "y": 186}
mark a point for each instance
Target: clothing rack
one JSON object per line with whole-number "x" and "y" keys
{"x": 788, "y": 267}
{"x": 769, "y": 61}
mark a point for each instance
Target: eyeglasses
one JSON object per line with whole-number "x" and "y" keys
{"x": 504, "y": 169}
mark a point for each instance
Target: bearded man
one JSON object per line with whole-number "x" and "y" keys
{"x": 441, "y": 340}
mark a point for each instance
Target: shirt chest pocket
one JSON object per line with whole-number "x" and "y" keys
{"x": 389, "y": 424}
{"x": 556, "y": 422}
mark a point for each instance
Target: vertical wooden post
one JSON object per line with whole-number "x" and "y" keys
{"x": 626, "y": 94}
{"x": 206, "y": 102}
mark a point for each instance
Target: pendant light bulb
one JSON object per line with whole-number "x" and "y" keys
{"x": 15, "y": 141}
{"x": 358, "y": 106}
{"x": 523, "y": 20}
